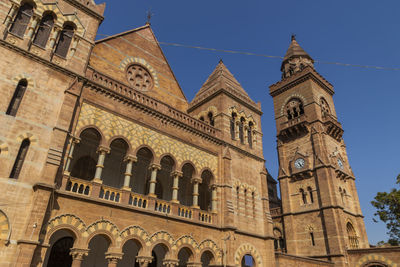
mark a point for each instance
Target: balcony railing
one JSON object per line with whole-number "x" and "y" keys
{"x": 116, "y": 196}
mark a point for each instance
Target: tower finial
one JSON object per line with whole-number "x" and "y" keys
{"x": 149, "y": 15}
{"x": 293, "y": 37}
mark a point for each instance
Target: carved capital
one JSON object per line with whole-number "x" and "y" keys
{"x": 144, "y": 260}
{"x": 103, "y": 150}
{"x": 155, "y": 166}
{"x": 170, "y": 263}
{"x": 130, "y": 158}
{"x": 178, "y": 174}
{"x": 196, "y": 180}
{"x": 114, "y": 257}
{"x": 78, "y": 253}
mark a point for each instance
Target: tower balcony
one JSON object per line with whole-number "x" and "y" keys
{"x": 293, "y": 128}
{"x": 333, "y": 127}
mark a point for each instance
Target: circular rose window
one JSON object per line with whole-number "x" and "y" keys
{"x": 139, "y": 77}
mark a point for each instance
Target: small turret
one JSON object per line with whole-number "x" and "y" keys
{"x": 295, "y": 60}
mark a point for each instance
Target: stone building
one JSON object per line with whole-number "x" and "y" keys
{"x": 104, "y": 162}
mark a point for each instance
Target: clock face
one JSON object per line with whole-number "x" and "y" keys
{"x": 299, "y": 163}
{"x": 340, "y": 163}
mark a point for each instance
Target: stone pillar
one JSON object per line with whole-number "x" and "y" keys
{"x": 175, "y": 186}
{"x": 113, "y": 258}
{"x": 153, "y": 179}
{"x": 214, "y": 199}
{"x": 143, "y": 260}
{"x": 11, "y": 14}
{"x": 237, "y": 136}
{"x": 74, "y": 141}
{"x": 128, "y": 171}
{"x": 53, "y": 37}
{"x": 78, "y": 256}
{"x": 32, "y": 26}
{"x": 194, "y": 264}
{"x": 170, "y": 263}
{"x": 74, "y": 45}
{"x": 196, "y": 181}
{"x": 100, "y": 163}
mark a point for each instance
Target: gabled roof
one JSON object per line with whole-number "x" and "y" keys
{"x": 222, "y": 79}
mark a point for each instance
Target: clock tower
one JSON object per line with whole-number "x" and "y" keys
{"x": 321, "y": 214}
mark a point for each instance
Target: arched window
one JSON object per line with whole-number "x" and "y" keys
{"x": 206, "y": 259}
{"x": 312, "y": 238}
{"x": 22, "y": 19}
{"x": 241, "y": 126}
{"x": 294, "y": 108}
{"x": 65, "y": 40}
{"x": 325, "y": 110}
{"x": 279, "y": 242}
{"x": 352, "y": 235}
{"x": 84, "y": 157}
{"x": 310, "y": 192}
{"x": 341, "y": 195}
{"x": 19, "y": 161}
{"x": 17, "y": 98}
{"x": 185, "y": 191}
{"x": 130, "y": 249}
{"x": 98, "y": 246}
{"x": 114, "y": 165}
{"x": 158, "y": 254}
{"x": 248, "y": 261}
{"x": 210, "y": 118}
{"x": 201, "y": 118}
{"x": 232, "y": 124}
{"x": 303, "y": 195}
{"x": 184, "y": 256}
{"x": 43, "y": 33}
{"x": 237, "y": 198}
{"x": 245, "y": 201}
{"x": 164, "y": 179}
{"x": 205, "y": 191}
{"x": 141, "y": 172}
{"x": 250, "y": 134}
{"x": 253, "y": 200}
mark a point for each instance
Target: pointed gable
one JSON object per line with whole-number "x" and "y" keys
{"x": 135, "y": 59}
{"x": 221, "y": 79}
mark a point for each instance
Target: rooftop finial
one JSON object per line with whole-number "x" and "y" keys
{"x": 149, "y": 15}
{"x": 220, "y": 60}
{"x": 293, "y": 37}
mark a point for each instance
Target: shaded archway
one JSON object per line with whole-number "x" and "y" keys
{"x": 158, "y": 253}
{"x": 206, "y": 259}
{"x": 130, "y": 249}
{"x": 205, "y": 190}
{"x": 84, "y": 156}
{"x": 352, "y": 235}
{"x": 114, "y": 165}
{"x": 185, "y": 193}
{"x": 184, "y": 256}
{"x": 98, "y": 247}
{"x": 164, "y": 179}
{"x": 58, "y": 253}
{"x": 141, "y": 172}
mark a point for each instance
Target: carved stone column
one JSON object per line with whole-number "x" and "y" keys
{"x": 128, "y": 171}
{"x": 11, "y": 14}
{"x": 74, "y": 141}
{"x": 78, "y": 255}
{"x": 74, "y": 44}
{"x": 113, "y": 258}
{"x": 143, "y": 260}
{"x": 170, "y": 263}
{"x": 196, "y": 181}
{"x": 153, "y": 179}
{"x": 214, "y": 199}
{"x": 32, "y": 27}
{"x": 175, "y": 186}
{"x": 53, "y": 37}
{"x": 100, "y": 163}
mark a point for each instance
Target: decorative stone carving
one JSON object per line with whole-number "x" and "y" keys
{"x": 139, "y": 77}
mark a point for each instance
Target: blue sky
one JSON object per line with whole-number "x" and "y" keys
{"x": 363, "y": 32}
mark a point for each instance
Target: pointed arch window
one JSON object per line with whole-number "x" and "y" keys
{"x": 19, "y": 161}
{"x": 43, "y": 33}
{"x": 241, "y": 133}
{"x": 325, "y": 110}
{"x": 21, "y": 20}
{"x": 17, "y": 98}
{"x": 232, "y": 124}
{"x": 210, "y": 118}
{"x": 250, "y": 134}
{"x": 294, "y": 108}
{"x": 65, "y": 40}
{"x": 310, "y": 192}
{"x": 312, "y": 238}
{"x": 303, "y": 196}
{"x": 352, "y": 235}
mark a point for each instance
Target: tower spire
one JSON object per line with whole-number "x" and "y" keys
{"x": 296, "y": 59}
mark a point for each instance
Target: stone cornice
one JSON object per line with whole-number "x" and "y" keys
{"x": 300, "y": 77}
{"x": 85, "y": 9}
{"x": 320, "y": 209}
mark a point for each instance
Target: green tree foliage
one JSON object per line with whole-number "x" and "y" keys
{"x": 388, "y": 211}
